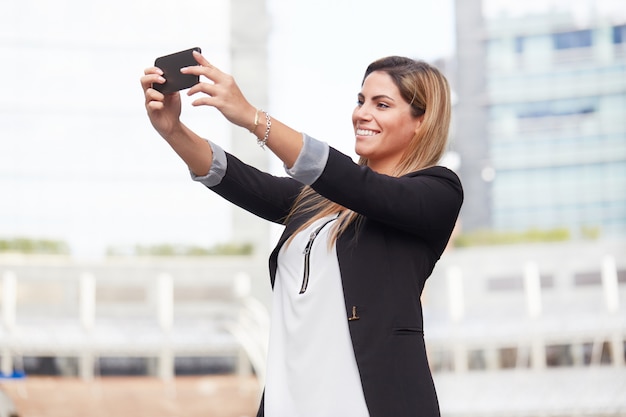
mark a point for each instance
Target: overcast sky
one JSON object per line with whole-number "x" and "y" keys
{"x": 78, "y": 159}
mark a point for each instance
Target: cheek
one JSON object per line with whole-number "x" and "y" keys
{"x": 409, "y": 131}
{"x": 401, "y": 139}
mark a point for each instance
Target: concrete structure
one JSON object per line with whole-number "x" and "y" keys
{"x": 85, "y": 319}
{"x": 528, "y": 307}
{"x": 541, "y": 130}
{"x": 529, "y": 330}
{"x": 531, "y": 319}
{"x": 471, "y": 141}
{"x": 249, "y": 66}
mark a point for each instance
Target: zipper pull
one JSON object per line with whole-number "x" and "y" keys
{"x": 307, "y": 255}
{"x": 309, "y": 244}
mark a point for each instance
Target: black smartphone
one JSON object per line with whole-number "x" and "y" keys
{"x": 171, "y": 65}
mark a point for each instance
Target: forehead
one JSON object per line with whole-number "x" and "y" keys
{"x": 379, "y": 83}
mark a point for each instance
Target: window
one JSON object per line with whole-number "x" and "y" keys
{"x": 516, "y": 283}
{"x": 507, "y": 357}
{"x": 564, "y": 107}
{"x": 50, "y": 365}
{"x": 441, "y": 360}
{"x": 583, "y": 279}
{"x": 476, "y": 360}
{"x": 575, "y": 39}
{"x": 203, "y": 365}
{"x": 595, "y": 278}
{"x": 559, "y": 355}
{"x": 519, "y": 44}
{"x": 506, "y": 284}
{"x": 595, "y": 353}
{"x": 125, "y": 366}
{"x": 619, "y": 34}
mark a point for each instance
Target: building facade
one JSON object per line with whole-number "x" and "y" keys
{"x": 554, "y": 104}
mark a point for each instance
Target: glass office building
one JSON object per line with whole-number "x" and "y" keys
{"x": 555, "y": 112}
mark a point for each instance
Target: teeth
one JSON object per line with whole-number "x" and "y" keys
{"x": 363, "y": 132}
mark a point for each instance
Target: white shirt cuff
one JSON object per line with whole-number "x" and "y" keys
{"x": 311, "y": 162}
{"x": 218, "y": 168}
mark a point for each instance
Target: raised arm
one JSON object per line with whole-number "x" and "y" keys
{"x": 164, "y": 113}
{"x": 224, "y": 94}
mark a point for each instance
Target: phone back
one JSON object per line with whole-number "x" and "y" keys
{"x": 171, "y": 65}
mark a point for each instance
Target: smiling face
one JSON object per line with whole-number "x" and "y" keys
{"x": 383, "y": 123}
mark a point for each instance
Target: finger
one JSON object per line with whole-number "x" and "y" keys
{"x": 206, "y": 88}
{"x": 204, "y": 101}
{"x": 204, "y": 68}
{"x": 200, "y": 59}
{"x": 155, "y": 105}
{"x": 153, "y": 70}
{"x": 151, "y": 78}
{"x": 152, "y": 97}
{"x": 208, "y": 71}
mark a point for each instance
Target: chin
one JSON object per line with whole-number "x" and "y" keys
{"x": 363, "y": 153}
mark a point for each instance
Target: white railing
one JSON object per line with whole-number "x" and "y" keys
{"x": 543, "y": 308}
{"x": 86, "y": 311}
{"x": 164, "y": 310}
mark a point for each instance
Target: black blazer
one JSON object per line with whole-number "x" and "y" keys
{"x": 384, "y": 261}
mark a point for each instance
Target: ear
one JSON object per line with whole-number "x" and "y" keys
{"x": 418, "y": 123}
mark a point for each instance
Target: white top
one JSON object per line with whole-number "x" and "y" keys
{"x": 311, "y": 368}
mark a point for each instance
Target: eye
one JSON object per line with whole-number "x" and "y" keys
{"x": 359, "y": 101}
{"x": 382, "y": 105}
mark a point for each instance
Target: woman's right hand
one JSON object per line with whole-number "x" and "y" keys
{"x": 164, "y": 113}
{"x": 163, "y": 109}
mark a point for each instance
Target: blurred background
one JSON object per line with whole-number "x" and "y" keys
{"x": 128, "y": 289}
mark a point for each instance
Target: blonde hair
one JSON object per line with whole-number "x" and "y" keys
{"x": 427, "y": 91}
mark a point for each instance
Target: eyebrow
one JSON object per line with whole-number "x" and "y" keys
{"x": 378, "y": 97}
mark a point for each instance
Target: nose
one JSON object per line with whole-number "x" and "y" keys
{"x": 362, "y": 113}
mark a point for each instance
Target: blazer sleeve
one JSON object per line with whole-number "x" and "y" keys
{"x": 420, "y": 203}
{"x": 267, "y": 196}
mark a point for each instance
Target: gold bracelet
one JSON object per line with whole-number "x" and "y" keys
{"x": 256, "y": 120}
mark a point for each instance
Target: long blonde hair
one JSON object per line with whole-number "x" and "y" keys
{"x": 427, "y": 91}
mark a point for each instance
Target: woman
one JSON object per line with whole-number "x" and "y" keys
{"x": 360, "y": 240}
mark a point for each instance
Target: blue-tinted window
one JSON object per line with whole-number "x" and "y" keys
{"x": 575, "y": 39}
{"x": 564, "y": 107}
{"x": 619, "y": 34}
{"x": 519, "y": 44}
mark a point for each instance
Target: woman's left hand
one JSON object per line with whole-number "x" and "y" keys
{"x": 223, "y": 93}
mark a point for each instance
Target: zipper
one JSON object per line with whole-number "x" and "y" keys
{"x": 307, "y": 254}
